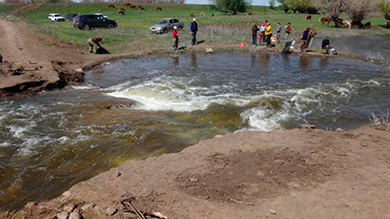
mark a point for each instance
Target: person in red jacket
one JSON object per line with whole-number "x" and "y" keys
{"x": 175, "y": 38}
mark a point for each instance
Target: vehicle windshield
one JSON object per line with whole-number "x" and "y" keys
{"x": 162, "y": 22}
{"x": 57, "y": 15}
{"x": 100, "y": 17}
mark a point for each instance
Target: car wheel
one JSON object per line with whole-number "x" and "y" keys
{"x": 86, "y": 27}
{"x": 165, "y": 30}
{"x": 110, "y": 26}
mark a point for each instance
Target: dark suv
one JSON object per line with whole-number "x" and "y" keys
{"x": 88, "y": 21}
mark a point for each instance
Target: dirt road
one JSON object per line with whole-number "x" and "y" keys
{"x": 298, "y": 173}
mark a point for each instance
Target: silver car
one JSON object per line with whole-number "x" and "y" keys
{"x": 166, "y": 24}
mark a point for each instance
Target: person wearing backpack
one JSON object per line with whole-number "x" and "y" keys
{"x": 288, "y": 30}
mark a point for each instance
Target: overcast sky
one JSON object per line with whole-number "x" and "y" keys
{"x": 254, "y": 2}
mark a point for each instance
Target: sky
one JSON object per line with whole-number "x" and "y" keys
{"x": 254, "y": 2}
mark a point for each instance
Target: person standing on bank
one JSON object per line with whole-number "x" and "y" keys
{"x": 278, "y": 32}
{"x": 194, "y": 29}
{"x": 175, "y": 38}
{"x": 255, "y": 28}
{"x": 268, "y": 34}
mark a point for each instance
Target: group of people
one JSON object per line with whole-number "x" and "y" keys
{"x": 193, "y": 30}
{"x": 265, "y": 33}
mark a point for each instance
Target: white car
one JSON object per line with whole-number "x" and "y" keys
{"x": 56, "y": 17}
{"x": 101, "y": 15}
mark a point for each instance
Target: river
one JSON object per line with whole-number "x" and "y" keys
{"x": 136, "y": 108}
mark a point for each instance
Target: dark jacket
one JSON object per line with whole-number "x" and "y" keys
{"x": 325, "y": 43}
{"x": 194, "y": 27}
{"x": 255, "y": 28}
{"x": 305, "y": 35}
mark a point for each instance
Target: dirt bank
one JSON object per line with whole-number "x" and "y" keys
{"x": 34, "y": 62}
{"x": 300, "y": 173}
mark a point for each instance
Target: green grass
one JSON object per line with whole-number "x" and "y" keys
{"x": 133, "y": 33}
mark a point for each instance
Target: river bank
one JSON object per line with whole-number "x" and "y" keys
{"x": 305, "y": 173}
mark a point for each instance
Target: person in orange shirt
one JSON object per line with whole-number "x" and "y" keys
{"x": 175, "y": 38}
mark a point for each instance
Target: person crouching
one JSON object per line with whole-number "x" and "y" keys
{"x": 175, "y": 38}
{"x": 94, "y": 42}
{"x": 325, "y": 45}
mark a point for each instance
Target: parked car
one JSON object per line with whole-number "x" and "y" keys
{"x": 166, "y": 24}
{"x": 101, "y": 15}
{"x": 88, "y": 21}
{"x": 70, "y": 16}
{"x": 55, "y": 17}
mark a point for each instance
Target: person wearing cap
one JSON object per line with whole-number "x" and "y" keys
{"x": 175, "y": 38}
{"x": 194, "y": 29}
{"x": 325, "y": 45}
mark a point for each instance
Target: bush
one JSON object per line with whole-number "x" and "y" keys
{"x": 384, "y": 6}
{"x": 231, "y": 5}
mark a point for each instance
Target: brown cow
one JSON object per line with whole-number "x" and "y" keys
{"x": 229, "y": 14}
{"x": 159, "y": 8}
{"x": 111, "y": 5}
{"x": 133, "y": 6}
{"x": 367, "y": 25}
{"x": 212, "y": 15}
{"x": 388, "y": 24}
{"x": 325, "y": 19}
{"x": 249, "y": 13}
{"x": 343, "y": 22}
{"x": 308, "y": 17}
{"x": 128, "y": 4}
{"x": 141, "y": 7}
{"x": 202, "y": 14}
{"x": 121, "y": 11}
{"x": 192, "y": 14}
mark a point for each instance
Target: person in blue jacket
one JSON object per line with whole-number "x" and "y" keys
{"x": 194, "y": 30}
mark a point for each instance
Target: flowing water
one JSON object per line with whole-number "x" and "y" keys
{"x": 143, "y": 107}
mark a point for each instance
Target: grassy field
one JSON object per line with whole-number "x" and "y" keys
{"x": 133, "y": 33}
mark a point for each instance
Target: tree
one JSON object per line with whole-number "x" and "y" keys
{"x": 302, "y": 6}
{"x": 231, "y": 5}
{"x": 333, "y": 8}
{"x": 358, "y": 10}
{"x": 272, "y": 4}
{"x": 384, "y": 6}
{"x": 283, "y": 5}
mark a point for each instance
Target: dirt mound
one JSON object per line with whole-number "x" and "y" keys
{"x": 264, "y": 173}
{"x": 300, "y": 173}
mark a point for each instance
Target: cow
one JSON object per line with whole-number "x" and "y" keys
{"x": 192, "y": 14}
{"x": 141, "y": 7}
{"x": 159, "y": 8}
{"x": 229, "y": 14}
{"x": 343, "y": 22}
{"x": 325, "y": 19}
{"x": 249, "y": 13}
{"x": 133, "y": 6}
{"x": 202, "y": 14}
{"x": 308, "y": 17}
{"x": 212, "y": 15}
{"x": 121, "y": 11}
{"x": 388, "y": 24}
{"x": 128, "y": 4}
{"x": 367, "y": 25}
{"x": 111, "y": 5}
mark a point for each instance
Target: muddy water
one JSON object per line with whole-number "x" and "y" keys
{"x": 137, "y": 108}
{"x": 375, "y": 46}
